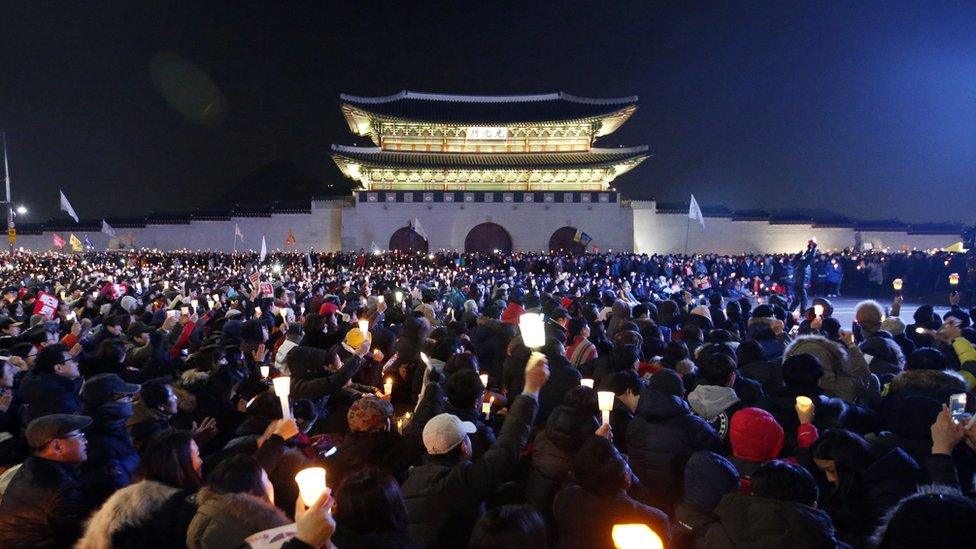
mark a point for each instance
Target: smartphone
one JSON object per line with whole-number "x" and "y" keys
{"x": 795, "y": 329}
{"x": 957, "y": 406}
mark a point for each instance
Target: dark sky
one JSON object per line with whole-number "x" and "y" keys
{"x": 863, "y": 108}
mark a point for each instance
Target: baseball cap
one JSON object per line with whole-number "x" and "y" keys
{"x": 369, "y": 415}
{"x": 444, "y": 432}
{"x": 47, "y": 428}
{"x": 100, "y": 387}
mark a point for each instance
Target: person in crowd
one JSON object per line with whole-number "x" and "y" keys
{"x": 53, "y": 386}
{"x": 371, "y": 443}
{"x": 371, "y": 513}
{"x": 445, "y": 495}
{"x": 708, "y": 478}
{"x": 45, "y": 504}
{"x": 936, "y": 516}
{"x": 112, "y": 458}
{"x": 509, "y": 526}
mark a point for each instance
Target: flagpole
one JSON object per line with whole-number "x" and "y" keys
{"x": 6, "y": 180}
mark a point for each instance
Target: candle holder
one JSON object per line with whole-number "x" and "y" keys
{"x": 311, "y": 484}
{"x": 265, "y": 371}
{"x": 605, "y": 399}
{"x": 586, "y": 382}
{"x": 282, "y": 388}
{"x": 533, "y": 330}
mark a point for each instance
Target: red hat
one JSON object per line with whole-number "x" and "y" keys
{"x": 328, "y": 308}
{"x": 755, "y": 435}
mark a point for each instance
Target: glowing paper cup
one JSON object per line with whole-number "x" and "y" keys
{"x": 265, "y": 371}
{"x": 388, "y": 386}
{"x": 364, "y": 327}
{"x": 484, "y": 379}
{"x": 586, "y": 382}
{"x": 605, "y": 398}
{"x": 818, "y": 310}
{"x": 804, "y": 403}
{"x": 954, "y": 279}
{"x": 311, "y": 484}
{"x": 897, "y": 284}
{"x": 634, "y": 536}
{"x": 533, "y": 330}
{"x": 282, "y": 388}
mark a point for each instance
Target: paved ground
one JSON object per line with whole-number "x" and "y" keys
{"x": 844, "y": 309}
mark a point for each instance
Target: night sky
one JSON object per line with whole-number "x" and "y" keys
{"x": 866, "y": 109}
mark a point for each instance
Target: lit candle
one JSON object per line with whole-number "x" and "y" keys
{"x": 486, "y": 406}
{"x": 282, "y": 388}
{"x": 605, "y": 399}
{"x": 311, "y": 484}
{"x": 804, "y": 403}
{"x": 635, "y": 536}
{"x": 364, "y": 327}
{"x": 897, "y": 284}
{"x": 818, "y": 309}
{"x": 398, "y": 295}
{"x": 265, "y": 371}
{"x": 484, "y": 379}
{"x": 586, "y": 382}
{"x": 954, "y": 279}
{"x": 193, "y": 304}
{"x": 533, "y": 330}
{"x": 388, "y": 386}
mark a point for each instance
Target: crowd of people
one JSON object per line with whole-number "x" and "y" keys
{"x": 713, "y": 400}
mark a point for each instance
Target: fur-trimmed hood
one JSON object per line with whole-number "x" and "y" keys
{"x": 830, "y": 354}
{"x": 225, "y": 520}
{"x": 914, "y": 380}
{"x": 129, "y": 507}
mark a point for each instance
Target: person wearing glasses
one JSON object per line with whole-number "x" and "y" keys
{"x": 54, "y": 384}
{"x": 45, "y": 505}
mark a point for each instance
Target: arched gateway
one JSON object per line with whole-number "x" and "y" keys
{"x": 488, "y": 237}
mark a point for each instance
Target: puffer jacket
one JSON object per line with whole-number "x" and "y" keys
{"x": 44, "y": 506}
{"x": 846, "y": 374}
{"x": 661, "y": 437}
{"x": 586, "y": 520}
{"x": 716, "y": 405}
{"x": 708, "y": 478}
{"x": 752, "y": 521}
{"x": 225, "y": 520}
{"x": 112, "y": 459}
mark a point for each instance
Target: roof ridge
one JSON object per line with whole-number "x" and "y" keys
{"x": 593, "y": 150}
{"x": 460, "y": 98}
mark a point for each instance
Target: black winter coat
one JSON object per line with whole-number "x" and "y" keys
{"x": 112, "y": 459}
{"x": 586, "y": 520}
{"x": 48, "y": 393}
{"x": 563, "y": 377}
{"x": 44, "y": 506}
{"x": 661, "y": 437}
{"x": 752, "y": 521}
{"x": 445, "y": 498}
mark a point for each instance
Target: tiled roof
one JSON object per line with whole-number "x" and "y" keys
{"x": 376, "y": 157}
{"x": 437, "y": 107}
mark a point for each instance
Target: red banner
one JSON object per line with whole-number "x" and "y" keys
{"x": 58, "y": 241}
{"x": 46, "y": 305}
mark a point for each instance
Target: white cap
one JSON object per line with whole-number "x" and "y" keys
{"x": 445, "y": 431}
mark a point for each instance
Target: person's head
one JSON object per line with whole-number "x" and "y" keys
{"x": 9, "y": 326}
{"x": 26, "y": 351}
{"x": 157, "y": 394}
{"x": 241, "y": 474}
{"x": 716, "y": 369}
{"x": 560, "y": 316}
{"x": 640, "y": 311}
{"x": 461, "y": 362}
{"x": 583, "y": 399}
{"x": 464, "y": 390}
{"x": 627, "y": 386}
{"x": 446, "y": 435}
{"x": 755, "y": 435}
{"x": 56, "y": 359}
{"x": 841, "y": 456}
{"x": 369, "y": 501}
{"x": 509, "y": 526}
{"x": 108, "y": 389}
{"x": 784, "y": 482}
{"x": 749, "y": 352}
{"x": 937, "y": 516}
{"x": 869, "y": 314}
{"x": 59, "y": 437}
{"x": 926, "y": 358}
{"x": 113, "y": 325}
{"x": 369, "y": 415}
{"x": 600, "y": 469}
{"x": 578, "y": 327}
{"x": 7, "y": 372}
{"x": 802, "y": 370}
{"x": 172, "y": 458}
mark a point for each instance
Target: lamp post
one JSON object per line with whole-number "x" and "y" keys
{"x": 11, "y": 229}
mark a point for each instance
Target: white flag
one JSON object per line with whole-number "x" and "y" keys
{"x": 694, "y": 212}
{"x": 264, "y": 249}
{"x": 419, "y": 228}
{"x": 238, "y": 233}
{"x": 107, "y": 229}
{"x": 373, "y": 247}
{"x": 66, "y": 206}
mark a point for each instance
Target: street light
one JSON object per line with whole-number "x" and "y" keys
{"x": 21, "y": 210}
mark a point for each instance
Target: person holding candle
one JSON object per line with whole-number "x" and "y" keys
{"x": 445, "y": 495}
{"x": 756, "y": 438}
{"x": 371, "y": 443}
{"x": 562, "y": 379}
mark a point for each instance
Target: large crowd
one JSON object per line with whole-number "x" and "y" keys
{"x": 169, "y": 399}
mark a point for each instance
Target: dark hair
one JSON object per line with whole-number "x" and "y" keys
{"x": 153, "y": 392}
{"x": 461, "y": 362}
{"x": 620, "y": 382}
{"x": 509, "y": 526}
{"x": 715, "y": 368}
{"x": 49, "y": 357}
{"x": 22, "y": 350}
{"x": 369, "y": 501}
{"x": 239, "y": 474}
{"x": 640, "y": 310}
{"x": 850, "y": 453}
{"x": 576, "y": 325}
{"x": 939, "y": 516}
{"x": 784, "y": 482}
{"x": 926, "y": 358}
{"x": 749, "y": 352}
{"x": 166, "y": 459}
{"x": 582, "y": 399}
{"x": 112, "y": 350}
{"x": 464, "y": 389}
{"x": 599, "y": 467}
{"x": 558, "y": 313}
